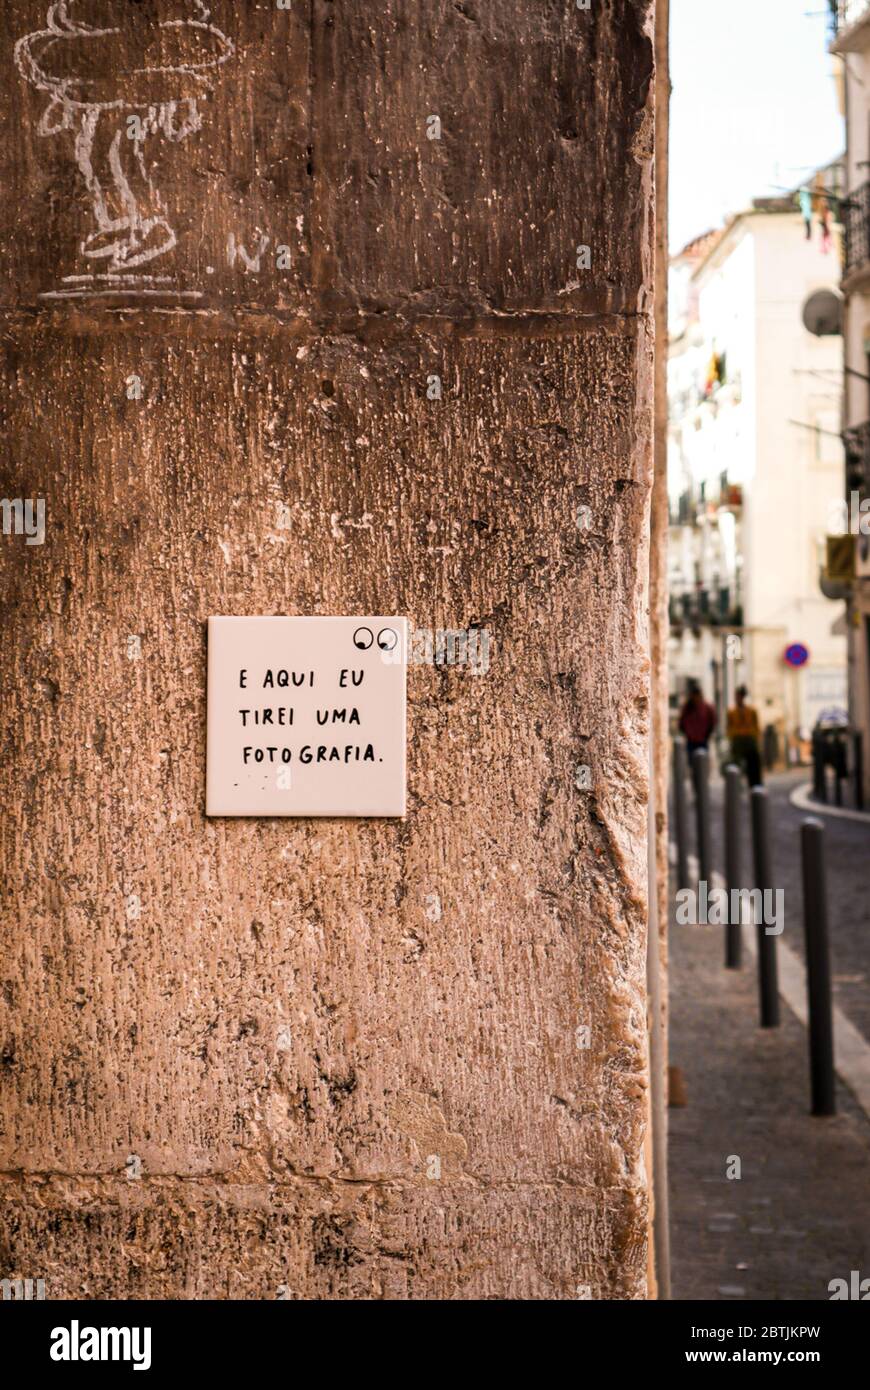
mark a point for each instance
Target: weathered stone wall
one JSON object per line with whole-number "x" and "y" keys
{"x": 658, "y": 602}
{"x": 231, "y": 1049}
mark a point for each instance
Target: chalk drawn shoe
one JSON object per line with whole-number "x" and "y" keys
{"x": 156, "y": 238}
{"x": 107, "y": 241}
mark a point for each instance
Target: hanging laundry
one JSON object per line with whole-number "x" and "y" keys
{"x": 715, "y": 373}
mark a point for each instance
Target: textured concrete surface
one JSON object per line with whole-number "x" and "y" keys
{"x": 234, "y": 1050}
{"x": 657, "y": 961}
{"x": 659, "y": 506}
{"x": 314, "y": 134}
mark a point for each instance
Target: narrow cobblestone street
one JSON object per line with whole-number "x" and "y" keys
{"x": 799, "y": 1214}
{"x": 847, "y": 843}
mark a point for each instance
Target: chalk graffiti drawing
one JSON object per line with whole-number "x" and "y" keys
{"x": 115, "y": 77}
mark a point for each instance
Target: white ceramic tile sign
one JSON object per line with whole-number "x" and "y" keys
{"x": 306, "y": 716}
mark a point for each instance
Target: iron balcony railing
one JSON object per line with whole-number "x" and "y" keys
{"x": 855, "y": 213}
{"x": 856, "y": 441}
{"x": 717, "y": 606}
{"x": 691, "y": 506}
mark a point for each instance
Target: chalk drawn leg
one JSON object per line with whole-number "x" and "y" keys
{"x": 129, "y": 213}
{"x": 86, "y": 149}
{"x": 150, "y": 233}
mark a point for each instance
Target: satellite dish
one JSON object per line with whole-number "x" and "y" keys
{"x": 834, "y": 589}
{"x": 823, "y": 314}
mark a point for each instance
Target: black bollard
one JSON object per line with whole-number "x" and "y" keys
{"x": 768, "y": 986}
{"x": 858, "y": 769}
{"x": 771, "y": 747}
{"x": 839, "y": 770}
{"x": 681, "y": 813}
{"x": 701, "y": 772}
{"x": 733, "y": 939}
{"x": 820, "y": 790}
{"x": 818, "y": 968}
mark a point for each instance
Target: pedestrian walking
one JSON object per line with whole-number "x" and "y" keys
{"x": 744, "y": 731}
{"x": 697, "y": 720}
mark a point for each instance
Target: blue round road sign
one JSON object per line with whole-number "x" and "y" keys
{"x": 797, "y": 654}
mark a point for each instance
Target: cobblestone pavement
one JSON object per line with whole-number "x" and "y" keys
{"x": 799, "y": 1215}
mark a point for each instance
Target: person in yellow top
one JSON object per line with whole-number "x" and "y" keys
{"x": 744, "y": 732}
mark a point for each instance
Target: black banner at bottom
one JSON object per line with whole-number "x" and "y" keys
{"x": 158, "y": 1339}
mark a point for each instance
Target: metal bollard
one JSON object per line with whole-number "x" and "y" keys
{"x": 681, "y": 812}
{"x": 839, "y": 772}
{"x": 858, "y": 771}
{"x": 701, "y": 772}
{"x": 768, "y": 985}
{"x": 770, "y": 746}
{"x": 733, "y": 938}
{"x": 820, "y": 790}
{"x": 818, "y": 968}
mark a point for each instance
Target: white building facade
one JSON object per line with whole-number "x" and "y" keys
{"x": 853, "y": 46}
{"x": 755, "y": 463}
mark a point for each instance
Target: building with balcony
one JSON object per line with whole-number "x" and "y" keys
{"x": 755, "y": 460}
{"x": 852, "y": 45}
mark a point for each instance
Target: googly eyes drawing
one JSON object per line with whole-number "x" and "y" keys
{"x": 364, "y": 637}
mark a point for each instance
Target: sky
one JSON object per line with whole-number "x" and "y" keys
{"x": 753, "y": 107}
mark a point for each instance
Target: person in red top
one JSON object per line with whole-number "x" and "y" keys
{"x": 697, "y": 720}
